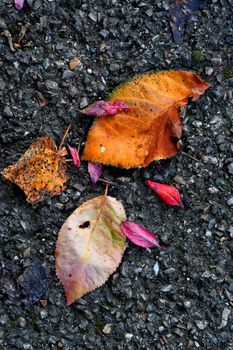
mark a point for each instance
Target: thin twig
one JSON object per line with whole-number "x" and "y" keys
{"x": 106, "y": 189}
{"x": 188, "y": 155}
{"x": 23, "y": 29}
{"x": 108, "y": 182}
{"x": 8, "y": 36}
{"x": 63, "y": 139}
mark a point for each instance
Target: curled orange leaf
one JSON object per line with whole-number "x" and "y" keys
{"x": 151, "y": 127}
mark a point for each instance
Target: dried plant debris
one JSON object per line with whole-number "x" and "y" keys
{"x": 8, "y": 281}
{"x": 20, "y": 43}
{"x": 40, "y": 171}
{"x": 33, "y": 282}
{"x": 180, "y": 11}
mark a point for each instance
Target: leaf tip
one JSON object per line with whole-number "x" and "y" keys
{"x": 75, "y": 156}
{"x": 169, "y": 194}
{"x": 95, "y": 170}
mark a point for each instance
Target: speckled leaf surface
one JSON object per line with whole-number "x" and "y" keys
{"x": 152, "y": 126}
{"x": 90, "y": 246}
{"x": 40, "y": 171}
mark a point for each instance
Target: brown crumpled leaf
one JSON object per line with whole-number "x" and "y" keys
{"x": 40, "y": 171}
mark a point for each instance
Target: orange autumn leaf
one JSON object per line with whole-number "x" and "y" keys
{"x": 152, "y": 126}
{"x": 40, "y": 171}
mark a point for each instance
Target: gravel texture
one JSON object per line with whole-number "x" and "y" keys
{"x": 177, "y": 299}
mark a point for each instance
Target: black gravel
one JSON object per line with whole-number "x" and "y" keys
{"x": 187, "y": 303}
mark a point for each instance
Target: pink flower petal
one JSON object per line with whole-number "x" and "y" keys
{"x": 139, "y": 235}
{"x": 95, "y": 170}
{"x": 169, "y": 194}
{"x": 19, "y": 4}
{"x": 75, "y": 155}
{"x": 102, "y": 108}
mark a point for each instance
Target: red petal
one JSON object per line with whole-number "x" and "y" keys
{"x": 139, "y": 235}
{"x": 75, "y": 156}
{"x": 95, "y": 170}
{"x": 169, "y": 194}
{"x": 19, "y": 4}
{"x": 102, "y": 108}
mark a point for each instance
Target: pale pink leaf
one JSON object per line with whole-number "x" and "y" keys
{"x": 139, "y": 235}
{"x": 169, "y": 194}
{"x": 95, "y": 170}
{"x": 103, "y": 108}
{"x": 75, "y": 155}
{"x": 19, "y": 4}
{"x": 90, "y": 246}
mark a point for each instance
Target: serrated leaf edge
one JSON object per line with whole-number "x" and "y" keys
{"x": 69, "y": 303}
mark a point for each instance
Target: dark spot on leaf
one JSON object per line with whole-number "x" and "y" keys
{"x": 86, "y": 224}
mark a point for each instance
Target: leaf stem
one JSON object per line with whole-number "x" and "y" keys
{"x": 106, "y": 189}
{"x": 63, "y": 139}
{"x": 108, "y": 182}
{"x": 188, "y": 155}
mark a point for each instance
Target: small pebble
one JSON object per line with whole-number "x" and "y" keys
{"x": 156, "y": 268}
{"x": 7, "y": 111}
{"x": 201, "y": 324}
{"x": 67, "y": 74}
{"x": 230, "y": 168}
{"x": 128, "y": 336}
{"x": 225, "y": 315}
{"x": 51, "y": 85}
{"x": 84, "y": 103}
{"x": 107, "y": 329}
{"x": 213, "y": 190}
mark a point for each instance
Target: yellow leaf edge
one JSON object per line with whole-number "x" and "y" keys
{"x": 150, "y": 72}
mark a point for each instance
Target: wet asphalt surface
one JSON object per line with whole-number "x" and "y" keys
{"x": 177, "y": 299}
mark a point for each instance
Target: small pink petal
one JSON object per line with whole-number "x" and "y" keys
{"x": 169, "y": 194}
{"x": 19, "y": 4}
{"x": 103, "y": 108}
{"x": 95, "y": 170}
{"x": 139, "y": 235}
{"x": 75, "y": 155}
